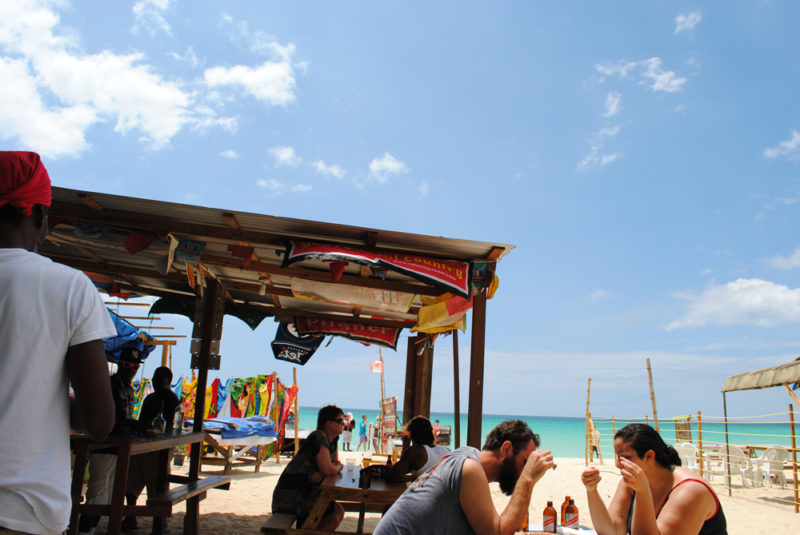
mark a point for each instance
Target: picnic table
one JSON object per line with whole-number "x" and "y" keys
{"x": 157, "y": 506}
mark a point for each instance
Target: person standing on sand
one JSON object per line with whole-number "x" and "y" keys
{"x": 374, "y": 432}
{"x": 655, "y": 495}
{"x": 52, "y": 330}
{"x": 362, "y": 433}
{"x": 453, "y": 497}
{"x": 347, "y": 434}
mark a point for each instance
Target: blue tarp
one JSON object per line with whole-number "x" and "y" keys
{"x": 245, "y": 427}
{"x": 127, "y": 336}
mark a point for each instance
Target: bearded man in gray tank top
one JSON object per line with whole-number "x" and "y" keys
{"x": 453, "y": 497}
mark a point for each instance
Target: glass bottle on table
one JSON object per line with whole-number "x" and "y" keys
{"x": 159, "y": 423}
{"x": 571, "y": 515}
{"x": 564, "y": 509}
{"x": 549, "y": 518}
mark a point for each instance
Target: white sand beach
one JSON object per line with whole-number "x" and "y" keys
{"x": 243, "y": 509}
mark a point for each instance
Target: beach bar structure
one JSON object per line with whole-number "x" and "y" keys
{"x": 784, "y": 375}
{"x": 206, "y": 262}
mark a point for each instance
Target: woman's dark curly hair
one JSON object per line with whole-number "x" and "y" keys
{"x": 642, "y": 438}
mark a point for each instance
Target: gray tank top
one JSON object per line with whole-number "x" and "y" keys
{"x": 431, "y": 504}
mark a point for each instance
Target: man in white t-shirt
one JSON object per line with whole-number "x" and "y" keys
{"x": 52, "y": 322}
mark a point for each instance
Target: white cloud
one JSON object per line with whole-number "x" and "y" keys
{"x": 23, "y": 115}
{"x": 329, "y": 170}
{"x": 660, "y": 79}
{"x": 785, "y": 262}
{"x": 613, "y": 104}
{"x": 64, "y": 90}
{"x": 150, "y": 17}
{"x": 650, "y": 74}
{"x": 706, "y": 272}
{"x": 276, "y": 187}
{"x": 273, "y": 82}
{"x": 741, "y": 302}
{"x": 789, "y": 149}
{"x": 229, "y": 154}
{"x": 381, "y": 168}
{"x": 599, "y": 295}
{"x": 596, "y": 158}
{"x": 423, "y": 188}
{"x": 687, "y": 22}
{"x": 284, "y": 156}
{"x": 189, "y": 57}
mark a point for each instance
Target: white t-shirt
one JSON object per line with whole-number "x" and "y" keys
{"x": 45, "y": 308}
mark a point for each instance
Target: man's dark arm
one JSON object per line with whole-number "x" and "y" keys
{"x": 92, "y": 411}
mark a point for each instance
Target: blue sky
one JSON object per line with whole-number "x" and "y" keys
{"x": 644, "y": 158}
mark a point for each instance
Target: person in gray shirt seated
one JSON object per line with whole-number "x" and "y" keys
{"x": 454, "y": 497}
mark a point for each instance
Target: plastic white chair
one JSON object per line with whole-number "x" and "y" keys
{"x": 740, "y": 462}
{"x": 688, "y": 454}
{"x": 713, "y": 461}
{"x": 769, "y": 467}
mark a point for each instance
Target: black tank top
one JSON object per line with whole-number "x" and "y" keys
{"x": 716, "y": 525}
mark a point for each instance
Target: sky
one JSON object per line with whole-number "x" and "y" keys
{"x": 642, "y": 157}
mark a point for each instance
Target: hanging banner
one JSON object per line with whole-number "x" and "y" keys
{"x": 367, "y": 298}
{"x": 449, "y": 275}
{"x": 292, "y": 346}
{"x": 376, "y": 367}
{"x": 371, "y": 334}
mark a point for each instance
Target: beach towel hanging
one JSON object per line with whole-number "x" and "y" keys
{"x": 292, "y": 346}
{"x": 449, "y": 275}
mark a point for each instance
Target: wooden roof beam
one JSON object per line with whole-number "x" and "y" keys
{"x": 288, "y": 314}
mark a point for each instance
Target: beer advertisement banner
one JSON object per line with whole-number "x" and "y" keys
{"x": 371, "y": 334}
{"x": 449, "y": 275}
{"x": 291, "y": 346}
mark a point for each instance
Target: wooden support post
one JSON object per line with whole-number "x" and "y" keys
{"x": 792, "y": 394}
{"x": 275, "y": 411}
{"x": 210, "y": 326}
{"x": 700, "y": 442}
{"x": 476, "y": 365}
{"x": 794, "y": 459}
{"x": 652, "y": 395}
{"x": 380, "y": 409}
{"x": 296, "y": 415}
{"x": 424, "y": 382}
{"x": 410, "y": 393}
{"x": 588, "y": 424}
{"x": 456, "y": 396}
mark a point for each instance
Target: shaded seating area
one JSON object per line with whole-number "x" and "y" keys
{"x": 321, "y": 279}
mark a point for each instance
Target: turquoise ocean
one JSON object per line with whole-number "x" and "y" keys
{"x": 565, "y": 437}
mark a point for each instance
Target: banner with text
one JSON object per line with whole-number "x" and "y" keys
{"x": 450, "y": 275}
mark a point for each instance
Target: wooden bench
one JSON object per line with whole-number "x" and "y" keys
{"x": 190, "y": 489}
{"x": 278, "y": 523}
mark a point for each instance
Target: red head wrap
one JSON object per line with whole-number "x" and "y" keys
{"x": 24, "y": 181}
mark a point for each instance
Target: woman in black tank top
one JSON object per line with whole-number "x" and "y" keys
{"x": 655, "y": 494}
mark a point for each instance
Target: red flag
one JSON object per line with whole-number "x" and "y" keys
{"x": 376, "y": 367}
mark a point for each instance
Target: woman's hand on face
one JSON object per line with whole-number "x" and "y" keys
{"x": 590, "y": 478}
{"x": 633, "y": 475}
